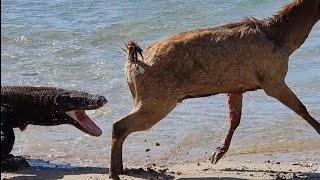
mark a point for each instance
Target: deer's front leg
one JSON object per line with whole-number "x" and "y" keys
{"x": 235, "y": 106}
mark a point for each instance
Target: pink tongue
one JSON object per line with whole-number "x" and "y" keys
{"x": 89, "y": 126}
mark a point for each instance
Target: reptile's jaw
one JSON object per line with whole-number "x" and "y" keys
{"x": 85, "y": 123}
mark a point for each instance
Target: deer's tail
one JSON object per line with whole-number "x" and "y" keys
{"x": 132, "y": 49}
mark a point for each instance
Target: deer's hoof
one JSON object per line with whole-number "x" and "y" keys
{"x": 114, "y": 174}
{"x": 115, "y": 177}
{"x": 217, "y": 155}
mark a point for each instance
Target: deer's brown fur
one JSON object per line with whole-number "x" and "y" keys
{"x": 234, "y": 58}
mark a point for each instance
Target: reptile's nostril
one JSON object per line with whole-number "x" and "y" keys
{"x": 102, "y": 100}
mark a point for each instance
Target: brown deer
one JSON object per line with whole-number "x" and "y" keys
{"x": 234, "y": 58}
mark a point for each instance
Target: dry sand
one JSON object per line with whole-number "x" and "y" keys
{"x": 264, "y": 166}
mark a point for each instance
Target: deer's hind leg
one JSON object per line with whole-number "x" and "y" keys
{"x": 143, "y": 118}
{"x": 235, "y": 107}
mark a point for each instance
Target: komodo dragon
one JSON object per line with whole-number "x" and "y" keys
{"x": 44, "y": 106}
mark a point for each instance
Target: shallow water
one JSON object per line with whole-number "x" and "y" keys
{"x": 76, "y": 45}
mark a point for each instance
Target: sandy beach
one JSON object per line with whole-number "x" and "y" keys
{"x": 249, "y": 166}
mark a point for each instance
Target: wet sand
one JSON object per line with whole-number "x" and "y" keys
{"x": 248, "y": 166}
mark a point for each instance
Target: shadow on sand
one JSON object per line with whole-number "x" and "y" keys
{"x": 149, "y": 173}
{"x": 37, "y": 172}
{"x": 45, "y": 170}
{"x": 210, "y": 178}
{"x": 273, "y": 174}
{"x": 279, "y": 174}
{"x": 40, "y": 169}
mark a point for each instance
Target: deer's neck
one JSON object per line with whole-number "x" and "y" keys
{"x": 290, "y": 27}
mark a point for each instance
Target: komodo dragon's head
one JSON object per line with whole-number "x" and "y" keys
{"x": 71, "y": 106}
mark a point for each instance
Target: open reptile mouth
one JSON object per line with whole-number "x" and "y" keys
{"x": 85, "y": 123}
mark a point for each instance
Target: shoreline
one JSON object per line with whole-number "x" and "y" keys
{"x": 252, "y": 166}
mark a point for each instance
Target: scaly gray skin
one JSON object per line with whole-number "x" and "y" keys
{"x": 44, "y": 106}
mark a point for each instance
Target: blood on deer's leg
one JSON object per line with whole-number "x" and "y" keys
{"x": 235, "y": 106}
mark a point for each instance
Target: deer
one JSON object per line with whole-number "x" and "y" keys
{"x": 231, "y": 59}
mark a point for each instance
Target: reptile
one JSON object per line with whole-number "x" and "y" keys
{"x": 44, "y": 106}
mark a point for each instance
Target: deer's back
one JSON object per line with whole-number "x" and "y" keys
{"x": 206, "y": 62}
